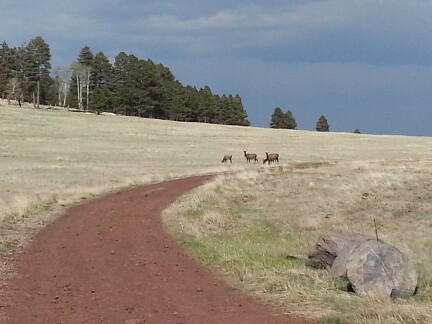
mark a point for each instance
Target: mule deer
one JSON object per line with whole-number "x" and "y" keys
{"x": 250, "y": 156}
{"x": 226, "y": 158}
{"x": 273, "y": 157}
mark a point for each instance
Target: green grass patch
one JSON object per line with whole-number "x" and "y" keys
{"x": 259, "y": 239}
{"x": 253, "y": 247}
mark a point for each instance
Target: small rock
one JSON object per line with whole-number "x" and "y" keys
{"x": 365, "y": 195}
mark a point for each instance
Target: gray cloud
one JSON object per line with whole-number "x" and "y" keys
{"x": 347, "y": 59}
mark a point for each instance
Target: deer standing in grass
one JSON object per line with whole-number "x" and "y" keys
{"x": 226, "y": 158}
{"x": 250, "y": 156}
{"x": 270, "y": 158}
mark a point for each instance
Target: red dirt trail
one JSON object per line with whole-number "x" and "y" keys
{"x": 109, "y": 260}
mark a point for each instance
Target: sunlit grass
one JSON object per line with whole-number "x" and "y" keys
{"x": 258, "y": 239}
{"x": 256, "y": 225}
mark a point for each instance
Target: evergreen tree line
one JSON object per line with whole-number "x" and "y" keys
{"x": 129, "y": 86}
{"x": 279, "y": 119}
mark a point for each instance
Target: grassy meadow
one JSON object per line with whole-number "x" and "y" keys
{"x": 253, "y": 226}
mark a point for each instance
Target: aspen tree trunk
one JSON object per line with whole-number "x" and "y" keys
{"x": 34, "y": 99}
{"x": 59, "y": 94}
{"x": 81, "y": 95}
{"x": 77, "y": 82}
{"x": 65, "y": 94}
{"x": 38, "y": 93}
{"x": 88, "y": 88}
{"x": 79, "y": 92}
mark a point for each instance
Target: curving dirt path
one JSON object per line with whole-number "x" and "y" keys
{"x": 110, "y": 261}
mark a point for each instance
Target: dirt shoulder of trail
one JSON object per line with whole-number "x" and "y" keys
{"x": 109, "y": 260}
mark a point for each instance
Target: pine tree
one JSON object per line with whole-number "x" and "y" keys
{"x": 125, "y": 94}
{"x": 86, "y": 60}
{"x": 290, "y": 121}
{"x": 191, "y": 104}
{"x": 207, "y": 105}
{"x": 173, "y": 100}
{"x": 238, "y": 113}
{"x": 277, "y": 119}
{"x": 152, "y": 88}
{"x": 280, "y": 119}
{"x": 36, "y": 64}
{"x": 137, "y": 87}
{"x": 322, "y": 125}
{"x": 167, "y": 85}
{"x": 100, "y": 82}
{"x": 9, "y": 65}
{"x": 86, "y": 56}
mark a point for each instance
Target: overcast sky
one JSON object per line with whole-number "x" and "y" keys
{"x": 363, "y": 64}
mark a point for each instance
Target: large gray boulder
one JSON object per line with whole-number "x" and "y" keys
{"x": 378, "y": 269}
{"x": 329, "y": 246}
{"x": 338, "y": 268}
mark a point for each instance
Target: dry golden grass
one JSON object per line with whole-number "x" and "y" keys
{"x": 244, "y": 224}
{"x": 46, "y": 153}
{"x": 250, "y": 225}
